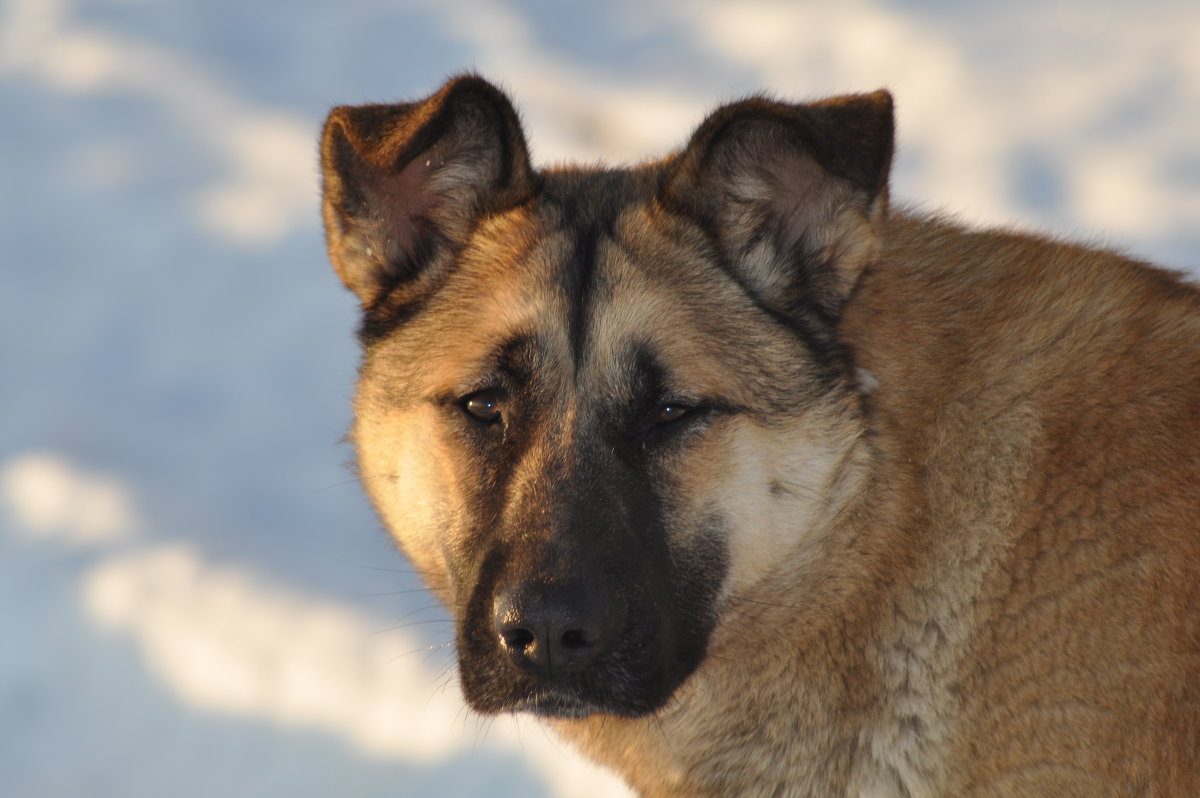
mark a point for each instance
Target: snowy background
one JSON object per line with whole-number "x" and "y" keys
{"x": 195, "y": 599}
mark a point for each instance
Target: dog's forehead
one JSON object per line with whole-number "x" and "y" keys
{"x": 598, "y": 278}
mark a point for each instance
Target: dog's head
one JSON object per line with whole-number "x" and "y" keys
{"x": 598, "y": 407}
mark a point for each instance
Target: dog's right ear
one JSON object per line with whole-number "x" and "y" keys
{"x": 404, "y": 185}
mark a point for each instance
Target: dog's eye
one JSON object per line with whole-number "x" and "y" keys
{"x": 483, "y": 406}
{"x": 671, "y": 412}
{"x": 671, "y": 420}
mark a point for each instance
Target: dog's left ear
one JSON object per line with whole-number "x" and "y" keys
{"x": 793, "y": 196}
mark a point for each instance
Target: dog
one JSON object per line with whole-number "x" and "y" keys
{"x": 750, "y": 484}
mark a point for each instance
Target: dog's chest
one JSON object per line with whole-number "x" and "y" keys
{"x": 897, "y": 761}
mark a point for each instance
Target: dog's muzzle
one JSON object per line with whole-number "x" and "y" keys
{"x": 551, "y": 630}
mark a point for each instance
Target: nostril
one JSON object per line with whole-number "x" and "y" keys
{"x": 577, "y": 639}
{"x": 517, "y": 639}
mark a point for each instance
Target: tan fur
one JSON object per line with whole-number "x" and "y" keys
{"x": 967, "y": 566}
{"x": 1032, "y": 501}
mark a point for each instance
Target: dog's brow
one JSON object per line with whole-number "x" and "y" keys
{"x": 518, "y": 357}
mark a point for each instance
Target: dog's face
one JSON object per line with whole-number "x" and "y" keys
{"x": 597, "y": 408}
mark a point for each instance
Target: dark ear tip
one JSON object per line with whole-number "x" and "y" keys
{"x": 878, "y": 105}
{"x": 884, "y": 104}
{"x": 343, "y": 134}
{"x": 471, "y": 83}
{"x": 339, "y": 152}
{"x": 338, "y": 116}
{"x": 335, "y": 131}
{"x": 882, "y": 98}
{"x": 867, "y": 122}
{"x": 885, "y": 107}
{"x": 469, "y": 89}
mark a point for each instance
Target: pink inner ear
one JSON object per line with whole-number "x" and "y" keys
{"x": 401, "y": 200}
{"x": 802, "y": 194}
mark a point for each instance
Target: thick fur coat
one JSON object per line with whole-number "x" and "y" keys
{"x": 751, "y": 484}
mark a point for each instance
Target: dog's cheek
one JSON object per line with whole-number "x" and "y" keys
{"x": 775, "y": 490}
{"x": 409, "y": 472}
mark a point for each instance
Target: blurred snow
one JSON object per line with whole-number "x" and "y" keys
{"x": 194, "y": 597}
{"x": 265, "y": 192}
{"x": 50, "y": 497}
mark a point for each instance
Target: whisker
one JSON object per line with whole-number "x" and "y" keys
{"x": 483, "y": 725}
{"x": 448, "y": 667}
{"x": 410, "y": 625}
{"x": 386, "y": 593}
{"x": 351, "y": 481}
{"x": 428, "y": 650}
{"x": 405, "y": 571}
{"x": 419, "y": 610}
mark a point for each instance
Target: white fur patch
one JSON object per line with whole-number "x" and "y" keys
{"x": 777, "y": 491}
{"x": 867, "y": 381}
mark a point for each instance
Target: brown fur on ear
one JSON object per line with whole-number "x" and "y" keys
{"x": 403, "y": 181}
{"x": 793, "y": 195}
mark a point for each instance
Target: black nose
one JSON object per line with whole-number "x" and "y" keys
{"x": 551, "y": 630}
